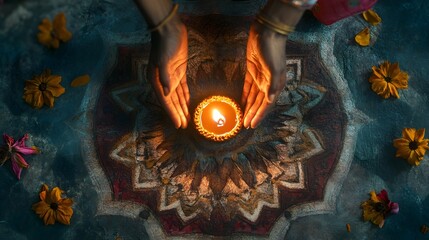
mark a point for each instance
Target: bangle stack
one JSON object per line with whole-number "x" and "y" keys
{"x": 280, "y": 28}
{"x": 166, "y": 19}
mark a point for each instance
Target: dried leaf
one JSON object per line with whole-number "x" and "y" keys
{"x": 80, "y": 81}
{"x": 371, "y": 17}
{"x": 363, "y": 38}
{"x": 349, "y": 228}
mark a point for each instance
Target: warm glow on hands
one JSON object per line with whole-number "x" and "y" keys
{"x": 167, "y": 71}
{"x": 265, "y": 76}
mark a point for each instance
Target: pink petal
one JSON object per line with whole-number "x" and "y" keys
{"x": 394, "y": 207}
{"x": 26, "y": 150}
{"x": 8, "y": 139}
{"x": 21, "y": 141}
{"x": 16, "y": 169}
{"x": 383, "y": 196}
{"x": 16, "y": 157}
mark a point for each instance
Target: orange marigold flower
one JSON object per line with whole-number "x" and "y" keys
{"x": 51, "y": 33}
{"x": 412, "y": 146}
{"x": 378, "y": 207}
{"x": 52, "y": 207}
{"x": 43, "y": 89}
{"x": 387, "y": 79}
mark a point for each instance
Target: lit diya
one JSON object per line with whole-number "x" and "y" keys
{"x": 218, "y": 118}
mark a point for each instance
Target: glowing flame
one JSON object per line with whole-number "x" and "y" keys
{"x": 218, "y": 118}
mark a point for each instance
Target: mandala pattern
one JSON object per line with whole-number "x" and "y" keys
{"x": 248, "y": 184}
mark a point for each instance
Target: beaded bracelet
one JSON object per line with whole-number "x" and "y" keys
{"x": 167, "y": 19}
{"x": 280, "y": 28}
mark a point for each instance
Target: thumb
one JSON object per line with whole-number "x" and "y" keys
{"x": 165, "y": 80}
{"x": 278, "y": 82}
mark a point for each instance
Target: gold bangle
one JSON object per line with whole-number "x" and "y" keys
{"x": 280, "y": 28}
{"x": 167, "y": 19}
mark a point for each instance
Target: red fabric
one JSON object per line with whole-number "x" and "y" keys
{"x": 330, "y": 11}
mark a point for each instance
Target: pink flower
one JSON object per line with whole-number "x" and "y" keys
{"x": 14, "y": 150}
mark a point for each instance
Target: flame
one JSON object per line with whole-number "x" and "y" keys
{"x": 218, "y": 118}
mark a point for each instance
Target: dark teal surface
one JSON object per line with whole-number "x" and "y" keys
{"x": 98, "y": 26}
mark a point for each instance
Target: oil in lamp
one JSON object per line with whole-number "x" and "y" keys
{"x": 218, "y": 118}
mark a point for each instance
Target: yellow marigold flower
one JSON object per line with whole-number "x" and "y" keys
{"x": 52, "y": 207}
{"x": 378, "y": 207}
{"x": 387, "y": 79}
{"x": 43, "y": 89}
{"x": 411, "y": 146}
{"x": 51, "y": 33}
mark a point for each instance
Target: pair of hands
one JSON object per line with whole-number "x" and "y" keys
{"x": 265, "y": 76}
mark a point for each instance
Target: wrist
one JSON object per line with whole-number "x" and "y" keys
{"x": 282, "y": 12}
{"x": 172, "y": 26}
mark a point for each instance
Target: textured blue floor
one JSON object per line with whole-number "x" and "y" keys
{"x": 98, "y": 26}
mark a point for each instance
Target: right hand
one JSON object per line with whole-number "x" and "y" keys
{"x": 167, "y": 70}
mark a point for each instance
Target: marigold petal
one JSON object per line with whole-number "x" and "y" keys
{"x": 64, "y": 219}
{"x": 28, "y": 98}
{"x": 49, "y": 217}
{"x": 65, "y": 211}
{"x": 379, "y": 86}
{"x": 67, "y": 202}
{"x": 48, "y": 98}
{"x": 60, "y": 27}
{"x": 371, "y": 17}
{"x": 363, "y": 37}
{"x": 40, "y": 208}
{"x": 44, "y": 38}
{"x": 42, "y": 195}
{"x": 393, "y": 91}
{"x": 394, "y": 70}
{"x": 413, "y": 159}
{"x": 377, "y": 72}
{"x": 56, "y": 90}
{"x": 37, "y": 101}
{"x": 401, "y": 142}
{"x": 384, "y": 67}
{"x": 55, "y": 43}
{"x": 80, "y": 81}
{"x": 55, "y": 195}
{"x": 409, "y": 133}
{"x": 53, "y": 80}
{"x": 63, "y": 34}
{"x": 420, "y": 135}
{"x": 45, "y": 26}
{"x": 374, "y": 197}
{"x": 403, "y": 152}
{"x": 420, "y": 151}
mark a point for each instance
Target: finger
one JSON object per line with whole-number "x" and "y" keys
{"x": 253, "y": 109}
{"x": 251, "y": 98}
{"x": 179, "y": 110}
{"x": 246, "y": 88}
{"x": 182, "y": 100}
{"x": 185, "y": 89}
{"x": 260, "y": 114}
{"x": 165, "y": 80}
{"x": 278, "y": 83}
{"x": 165, "y": 101}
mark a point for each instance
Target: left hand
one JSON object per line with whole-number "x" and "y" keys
{"x": 265, "y": 75}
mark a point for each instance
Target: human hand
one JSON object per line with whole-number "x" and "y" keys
{"x": 265, "y": 76}
{"x": 167, "y": 70}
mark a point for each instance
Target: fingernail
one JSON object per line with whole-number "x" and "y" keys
{"x": 271, "y": 98}
{"x": 166, "y": 91}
